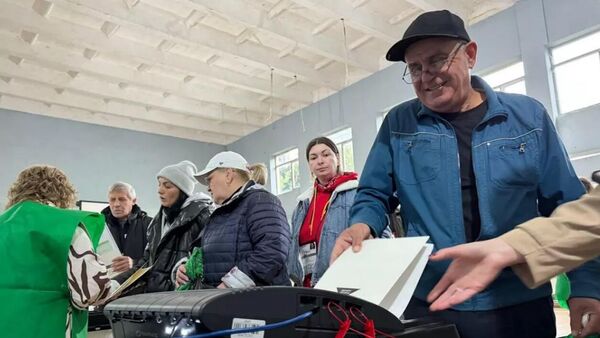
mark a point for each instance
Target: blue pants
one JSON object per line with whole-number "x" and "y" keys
{"x": 533, "y": 319}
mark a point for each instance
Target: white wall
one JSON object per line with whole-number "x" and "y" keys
{"x": 522, "y": 32}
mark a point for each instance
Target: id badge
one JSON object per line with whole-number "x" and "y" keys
{"x": 308, "y": 257}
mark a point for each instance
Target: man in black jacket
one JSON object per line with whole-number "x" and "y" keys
{"x": 128, "y": 225}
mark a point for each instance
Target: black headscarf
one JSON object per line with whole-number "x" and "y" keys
{"x": 172, "y": 211}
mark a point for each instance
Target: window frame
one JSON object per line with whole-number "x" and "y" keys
{"x": 554, "y": 66}
{"x": 502, "y": 86}
{"x": 294, "y": 165}
{"x": 340, "y": 145}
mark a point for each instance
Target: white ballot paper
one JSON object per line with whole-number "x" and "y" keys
{"x": 107, "y": 249}
{"x": 384, "y": 272}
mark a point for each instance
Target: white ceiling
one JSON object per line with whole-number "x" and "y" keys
{"x": 206, "y": 70}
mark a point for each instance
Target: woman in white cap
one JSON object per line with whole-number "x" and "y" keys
{"x": 246, "y": 241}
{"x": 182, "y": 215}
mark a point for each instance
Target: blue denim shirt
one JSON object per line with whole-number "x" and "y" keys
{"x": 521, "y": 168}
{"x": 336, "y": 221}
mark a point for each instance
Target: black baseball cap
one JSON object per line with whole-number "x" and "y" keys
{"x": 429, "y": 25}
{"x": 596, "y": 176}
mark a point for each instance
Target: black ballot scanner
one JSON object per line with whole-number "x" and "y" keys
{"x": 282, "y": 312}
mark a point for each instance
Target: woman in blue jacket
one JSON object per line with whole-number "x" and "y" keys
{"x": 322, "y": 213}
{"x": 247, "y": 238}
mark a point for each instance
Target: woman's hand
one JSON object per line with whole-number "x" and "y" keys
{"x": 180, "y": 277}
{"x": 122, "y": 263}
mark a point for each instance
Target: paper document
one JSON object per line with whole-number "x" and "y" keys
{"x": 385, "y": 271}
{"x": 130, "y": 281}
{"x": 107, "y": 249}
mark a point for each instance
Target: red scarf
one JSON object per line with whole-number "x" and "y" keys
{"x": 315, "y": 216}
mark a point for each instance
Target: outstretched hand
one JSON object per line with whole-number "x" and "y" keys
{"x": 474, "y": 266}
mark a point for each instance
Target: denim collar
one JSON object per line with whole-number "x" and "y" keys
{"x": 495, "y": 108}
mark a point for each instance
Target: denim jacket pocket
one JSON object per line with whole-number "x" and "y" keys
{"x": 417, "y": 157}
{"x": 513, "y": 162}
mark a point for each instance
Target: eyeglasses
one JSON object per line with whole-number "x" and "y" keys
{"x": 413, "y": 72}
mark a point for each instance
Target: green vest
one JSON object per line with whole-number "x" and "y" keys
{"x": 34, "y": 247}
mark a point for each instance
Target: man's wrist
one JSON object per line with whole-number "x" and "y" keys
{"x": 507, "y": 254}
{"x": 364, "y": 228}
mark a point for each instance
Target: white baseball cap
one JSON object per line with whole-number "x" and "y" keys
{"x": 224, "y": 159}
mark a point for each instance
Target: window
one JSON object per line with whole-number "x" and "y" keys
{"x": 343, "y": 140}
{"x": 287, "y": 172}
{"x": 576, "y": 67}
{"x": 510, "y": 79}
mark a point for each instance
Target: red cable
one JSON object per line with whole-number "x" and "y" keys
{"x": 369, "y": 324}
{"x": 341, "y": 309}
{"x": 342, "y": 331}
{"x": 344, "y": 327}
{"x": 344, "y": 324}
{"x": 369, "y": 328}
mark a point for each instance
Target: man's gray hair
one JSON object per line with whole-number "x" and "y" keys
{"x": 122, "y": 186}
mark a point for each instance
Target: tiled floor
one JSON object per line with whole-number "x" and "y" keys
{"x": 562, "y": 326}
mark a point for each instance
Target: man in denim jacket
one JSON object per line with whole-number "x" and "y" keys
{"x": 467, "y": 164}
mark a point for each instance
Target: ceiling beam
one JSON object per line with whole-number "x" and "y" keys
{"x": 358, "y": 18}
{"x": 359, "y": 42}
{"x": 161, "y": 23}
{"x": 15, "y": 17}
{"x": 75, "y": 34}
{"x": 250, "y": 16}
{"x": 429, "y": 5}
{"x": 280, "y": 7}
{"x": 457, "y": 7}
{"x": 71, "y": 62}
{"x": 47, "y": 94}
{"x": 488, "y": 8}
{"x": 91, "y": 86}
{"x": 323, "y": 26}
{"x": 358, "y": 3}
{"x": 42, "y": 7}
{"x": 64, "y": 112}
{"x": 405, "y": 15}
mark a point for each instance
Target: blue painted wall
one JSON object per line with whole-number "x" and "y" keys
{"x": 92, "y": 156}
